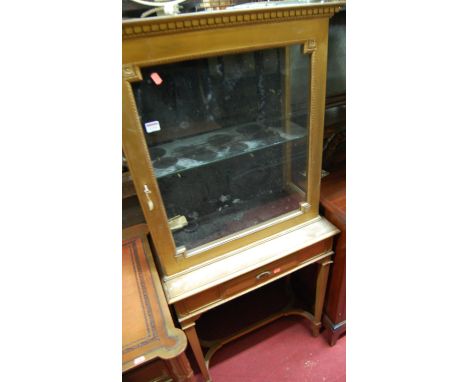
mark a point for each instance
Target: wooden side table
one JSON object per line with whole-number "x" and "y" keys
{"x": 202, "y": 289}
{"x": 148, "y": 332}
{"x": 333, "y": 202}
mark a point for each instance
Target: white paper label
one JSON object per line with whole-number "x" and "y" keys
{"x": 153, "y": 126}
{"x": 139, "y": 360}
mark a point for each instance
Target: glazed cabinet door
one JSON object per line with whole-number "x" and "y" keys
{"x": 223, "y": 147}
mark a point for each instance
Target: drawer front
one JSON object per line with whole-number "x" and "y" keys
{"x": 250, "y": 280}
{"x": 273, "y": 270}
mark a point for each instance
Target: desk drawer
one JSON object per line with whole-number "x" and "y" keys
{"x": 251, "y": 280}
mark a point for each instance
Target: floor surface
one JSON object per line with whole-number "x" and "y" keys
{"x": 281, "y": 351}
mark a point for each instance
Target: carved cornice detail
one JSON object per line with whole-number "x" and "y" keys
{"x": 131, "y": 73}
{"x": 309, "y": 46}
{"x": 158, "y": 26}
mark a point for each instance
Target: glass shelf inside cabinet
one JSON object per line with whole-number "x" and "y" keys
{"x": 205, "y": 149}
{"x": 226, "y": 136}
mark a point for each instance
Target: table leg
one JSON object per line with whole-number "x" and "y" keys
{"x": 180, "y": 369}
{"x": 333, "y": 338}
{"x": 322, "y": 278}
{"x": 197, "y": 350}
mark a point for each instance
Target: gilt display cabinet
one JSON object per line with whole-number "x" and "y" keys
{"x": 222, "y": 133}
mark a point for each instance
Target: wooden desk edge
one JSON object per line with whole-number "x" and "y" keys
{"x": 164, "y": 352}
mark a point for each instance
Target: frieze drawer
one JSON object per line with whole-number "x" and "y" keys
{"x": 251, "y": 280}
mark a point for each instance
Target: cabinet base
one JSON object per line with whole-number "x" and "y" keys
{"x": 333, "y": 331}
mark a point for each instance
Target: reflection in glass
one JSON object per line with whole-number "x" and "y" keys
{"x": 227, "y": 137}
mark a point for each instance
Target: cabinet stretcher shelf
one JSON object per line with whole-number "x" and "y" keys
{"x": 216, "y": 146}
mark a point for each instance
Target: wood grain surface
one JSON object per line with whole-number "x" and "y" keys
{"x": 148, "y": 331}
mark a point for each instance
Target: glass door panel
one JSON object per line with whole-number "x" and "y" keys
{"x": 228, "y": 140}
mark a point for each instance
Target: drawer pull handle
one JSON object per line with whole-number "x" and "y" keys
{"x": 263, "y": 274}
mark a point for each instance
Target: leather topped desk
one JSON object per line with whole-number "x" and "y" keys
{"x": 148, "y": 331}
